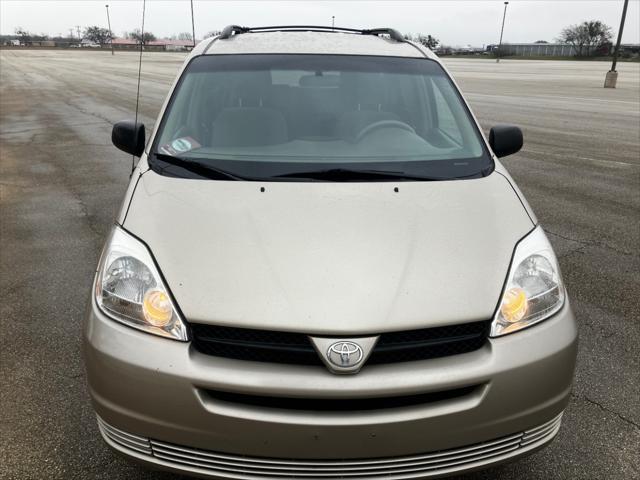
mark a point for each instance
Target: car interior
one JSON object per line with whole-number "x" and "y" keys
{"x": 329, "y": 114}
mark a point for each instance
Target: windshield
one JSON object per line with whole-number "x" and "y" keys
{"x": 277, "y": 116}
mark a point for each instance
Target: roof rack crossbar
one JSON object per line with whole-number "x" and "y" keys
{"x": 230, "y": 30}
{"x": 304, "y": 27}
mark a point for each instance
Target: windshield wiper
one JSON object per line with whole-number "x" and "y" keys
{"x": 206, "y": 170}
{"x": 346, "y": 174}
{"x": 199, "y": 168}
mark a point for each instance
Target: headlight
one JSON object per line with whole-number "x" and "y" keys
{"x": 534, "y": 289}
{"x": 130, "y": 290}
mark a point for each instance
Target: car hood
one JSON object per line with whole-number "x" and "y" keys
{"x": 330, "y": 258}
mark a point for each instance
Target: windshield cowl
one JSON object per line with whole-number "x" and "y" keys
{"x": 200, "y": 168}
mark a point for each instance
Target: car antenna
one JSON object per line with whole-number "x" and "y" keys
{"x": 139, "y": 71}
{"x": 193, "y": 27}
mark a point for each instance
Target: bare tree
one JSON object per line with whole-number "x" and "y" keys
{"x": 24, "y": 35}
{"x": 27, "y": 37}
{"x": 185, "y": 36}
{"x": 586, "y": 37}
{"x": 137, "y": 36}
{"x": 97, "y": 35}
{"x": 426, "y": 40}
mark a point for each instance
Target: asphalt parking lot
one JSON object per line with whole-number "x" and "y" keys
{"x": 61, "y": 182}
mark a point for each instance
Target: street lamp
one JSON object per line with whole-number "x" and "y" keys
{"x": 504, "y": 15}
{"x": 333, "y": 22}
{"x": 612, "y": 76}
{"x": 110, "y": 35}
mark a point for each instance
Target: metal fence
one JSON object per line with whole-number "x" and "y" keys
{"x": 539, "y": 49}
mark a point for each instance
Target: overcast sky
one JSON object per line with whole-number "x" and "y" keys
{"x": 453, "y": 22}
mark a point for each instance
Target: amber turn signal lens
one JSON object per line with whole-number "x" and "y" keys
{"x": 514, "y": 305}
{"x": 157, "y": 308}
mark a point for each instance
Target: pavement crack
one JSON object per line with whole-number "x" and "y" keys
{"x": 12, "y": 184}
{"x": 588, "y": 243}
{"x": 578, "y": 250}
{"x": 85, "y": 213}
{"x": 86, "y": 111}
{"x": 582, "y": 242}
{"x": 605, "y": 409}
{"x": 64, "y": 145}
{"x": 33, "y": 129}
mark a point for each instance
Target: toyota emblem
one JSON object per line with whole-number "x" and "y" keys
{"x": 345, "y": 354}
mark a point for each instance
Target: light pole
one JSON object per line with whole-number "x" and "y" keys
{"x": 504, "y": 15}
{"x": 333, "y": 22}
{"x": 612, "y": 76}
{"x": 110, "y": 34}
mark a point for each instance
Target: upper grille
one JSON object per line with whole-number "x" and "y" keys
{"x": 296, "y": 348}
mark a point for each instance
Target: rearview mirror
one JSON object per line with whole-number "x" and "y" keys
{"x": 129, "y": 137}
{"x": 505, "y": 140}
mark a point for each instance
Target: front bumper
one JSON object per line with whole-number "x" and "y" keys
{"x": 154, "y": 392}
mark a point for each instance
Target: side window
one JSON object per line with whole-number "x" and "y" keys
{"x": 446, "y": 120}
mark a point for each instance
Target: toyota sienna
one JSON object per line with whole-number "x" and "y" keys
{"x": 321, "y": 269}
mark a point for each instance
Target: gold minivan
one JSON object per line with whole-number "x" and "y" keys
{"x": 321, "y": 269}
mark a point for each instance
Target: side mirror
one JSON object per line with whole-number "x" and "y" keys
{"x": 505, "y": 140}
{"x": 129, "y": 137}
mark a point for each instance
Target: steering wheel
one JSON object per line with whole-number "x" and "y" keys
{"x": 383, "y": 124}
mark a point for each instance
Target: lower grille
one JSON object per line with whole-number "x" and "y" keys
{"x": 340, "y": 404}
{"x": 206, "y": 462}
{"x": 296, "y": 348}
{"x": 127, "y": 440}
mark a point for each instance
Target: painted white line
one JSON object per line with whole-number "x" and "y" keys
{"x": 550, "y": 97}
{"x": 586, "y": 159}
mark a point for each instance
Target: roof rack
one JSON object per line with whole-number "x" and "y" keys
{"x": 230, "y": 30}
